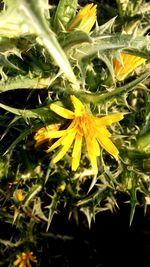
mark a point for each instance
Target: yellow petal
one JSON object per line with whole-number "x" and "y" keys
{"x": 129, "y": 63}
{"x": 95, "y": 147}
{"x": 103, "y": 132}
{"x": 17, "y": 261}
{"x": 109, "y": 119}
{"x": 63, "y": 112}
{"x": 84, "y": 19}
{"x": 107, "y": 144}
{"x": 78, "y": 106}
{"x": 28, "y": 263}
{"x": 76, "y": 154}
{"x": 67, "y": 143}
{"x": 88, "y": 21}
{"x": 56, "y": 134}
{"x": 93, "y": 150}
{"x": 22, "y": 264}
{"x": 55, "y": 145}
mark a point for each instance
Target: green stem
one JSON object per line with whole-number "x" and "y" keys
{"x": 134, "y": 154}
{"x": 102, "y": 98}
{"x": 98, "y": 98}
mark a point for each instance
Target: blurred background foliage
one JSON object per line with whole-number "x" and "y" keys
{"x": 41, "y": 62}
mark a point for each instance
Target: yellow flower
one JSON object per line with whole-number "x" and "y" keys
{"x": 126, "y": 65}
{"x": 23, "y": 260}
{"x": 83, "y": 126}
{"x": 42, "y": 134}
{"x": 84, "y": 19}
{"x": 19, "y": 195}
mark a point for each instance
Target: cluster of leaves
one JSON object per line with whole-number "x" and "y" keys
{"x": 41, "y": 62}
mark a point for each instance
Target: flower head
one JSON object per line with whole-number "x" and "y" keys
{"x": 126, "y": 65}
{"x": 19, "y": 195}
{"x": 83, "y": 126}
{"x": 42, "y": 134}
{"x": 24, "y": 259}
{"x": 84, "y": 19}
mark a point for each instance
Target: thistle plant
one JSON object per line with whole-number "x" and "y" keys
{"x": 75, "y": 117}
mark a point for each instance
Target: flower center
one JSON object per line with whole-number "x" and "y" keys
{"x": 84, "y": 125}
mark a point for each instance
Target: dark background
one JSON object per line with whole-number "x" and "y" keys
{"x": 110, "y": 241}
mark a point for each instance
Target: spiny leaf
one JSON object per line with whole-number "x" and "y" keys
{"x": 42, "y": 113}
{"x": 105, "y": 43}
{"x": 35, "y": 189}
{"x": 104, "y": 28}
{"x": 37, "y": 210}
{"x": 143, "y": 142}
{"x": 71, "y": 39}
{"x": 34, "y": 16}
{"x": 97, "y": 98}
{"x": 52, "y": 207}
{"x": 24, "y": 82}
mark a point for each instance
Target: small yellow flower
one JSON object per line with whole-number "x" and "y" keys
{"x": 23, "y": 260}
{"x": 61, "y": 187}
{"x": 126, "y": 65}
{"x": 19, "y": 195}
{"x": 83, "y": 126}
{"x": 42, "y": 134}
{"x": 84, "y": 19}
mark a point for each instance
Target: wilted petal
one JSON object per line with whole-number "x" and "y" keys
{"x": 56, "y": 134}
{"x": 43, "y": 134}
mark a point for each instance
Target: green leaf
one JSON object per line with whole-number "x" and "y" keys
{"x": 37, "y": 210}
{"x": 34, "y": 16}
{"x": 24, "y": 82}
{"x": 52, "y": 209}
{"x": 42, "y": 113}
{"x": 98, "y": 98}
{"x": 133, "y": 200}
{"x": 122, "y": 6}
{"x": 10, "y": 244}
{"x": 104, "y": 28}
{"x": 35, "y": 189}
{"x": 26, "y": 17}
{"x": 104, "y": 43}
{"x": 17, "y": 140}
{"x": 71, "y": 39}
{"x": 143, "y": 142}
